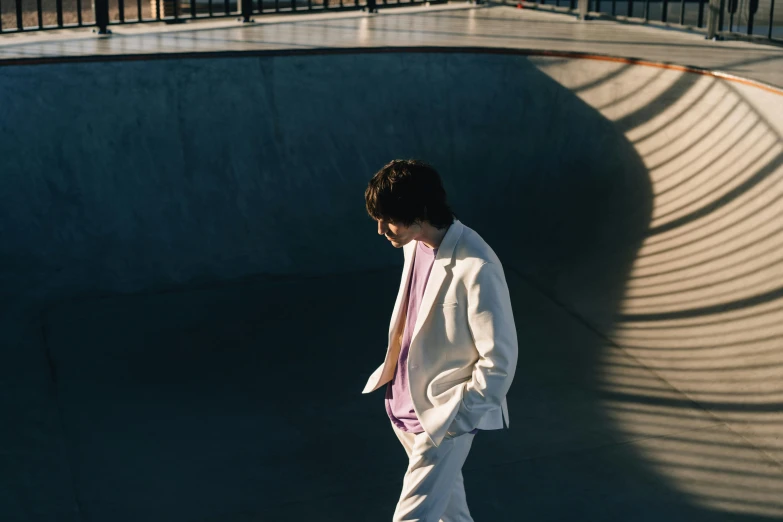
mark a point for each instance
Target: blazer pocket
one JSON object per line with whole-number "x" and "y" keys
{"x": 450, "y": 384}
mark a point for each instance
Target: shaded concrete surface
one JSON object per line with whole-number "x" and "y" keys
{"x": 193, "y": 295}
{"x": 456, "y": 24}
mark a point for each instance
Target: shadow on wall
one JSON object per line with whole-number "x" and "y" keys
{"x": 698, "y": 326}
{"x": 200, "y": 171}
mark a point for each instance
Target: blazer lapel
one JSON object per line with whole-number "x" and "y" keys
{"x": 396, "y": 328}
{"x": 440, "y": 270}
{"x": 401, "y": 304}
{"x": 443, "y": 260}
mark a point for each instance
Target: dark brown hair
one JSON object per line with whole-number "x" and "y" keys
{"x": 407, "y": 192}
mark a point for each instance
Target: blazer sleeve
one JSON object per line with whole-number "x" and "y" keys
{"x": 491, "y": 324}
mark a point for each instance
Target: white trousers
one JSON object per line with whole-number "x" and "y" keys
{"x": 433, "y": 489}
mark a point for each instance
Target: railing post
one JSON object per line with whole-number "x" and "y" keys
{"x": 19, "y": 15}
{"x": 713, "y": 16}
{"x": 583, "y": 8}
{"x": 753, "y": 8}
{"x": 733, "y": 5}
{"x": 247, "y": 11}
{"x": 100, "y": 9}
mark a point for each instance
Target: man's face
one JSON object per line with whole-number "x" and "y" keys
{"x": 398, "y": 235}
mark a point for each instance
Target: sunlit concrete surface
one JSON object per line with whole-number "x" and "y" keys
{"x": 192, "y": 295}
{"x": 456, "y": 24}
{"x": 701, "y": 309}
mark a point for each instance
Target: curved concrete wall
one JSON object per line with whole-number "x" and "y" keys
{"x": 123, "y": 177}
{"x": 643, "y": 201}
{"x": 703, "y": 304}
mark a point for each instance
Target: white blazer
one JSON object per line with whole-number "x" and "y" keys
{"x": 463, "y": 353}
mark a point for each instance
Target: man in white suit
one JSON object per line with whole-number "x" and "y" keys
{"x": 452, "y": 349}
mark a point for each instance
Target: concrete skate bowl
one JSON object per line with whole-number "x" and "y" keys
{"x": 193, "y": 295}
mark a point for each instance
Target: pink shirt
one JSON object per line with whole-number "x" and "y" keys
{"x": 399, "y": 404}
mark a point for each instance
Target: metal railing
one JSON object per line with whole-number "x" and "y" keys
{"x": 753, "y": 19}
{"x": 747, "y": 19}
{"x": 36, "y": 15}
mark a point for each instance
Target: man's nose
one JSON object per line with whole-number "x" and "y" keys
{"x": 381, "y": 228}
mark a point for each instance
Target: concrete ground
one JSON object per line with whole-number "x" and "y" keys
{"x": 192, "y": 296}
